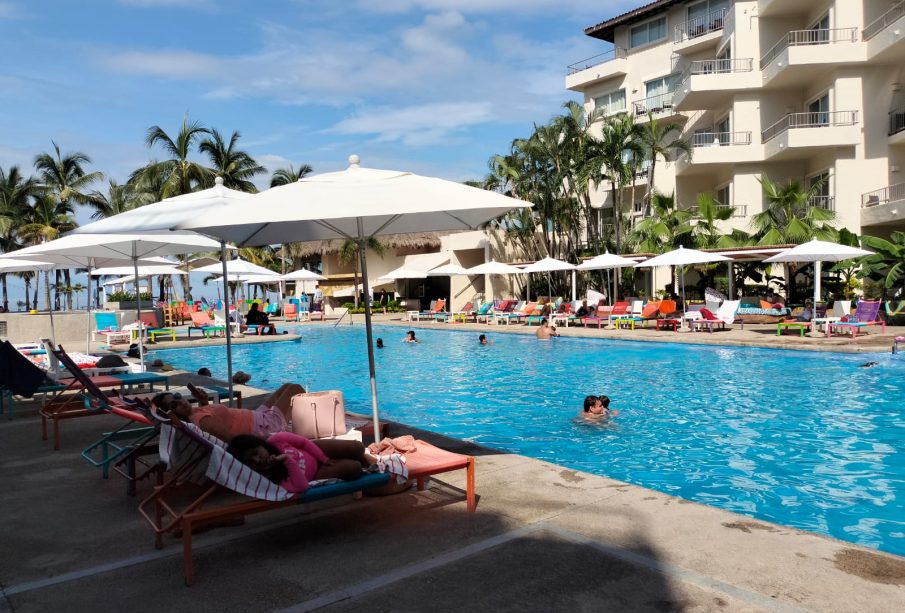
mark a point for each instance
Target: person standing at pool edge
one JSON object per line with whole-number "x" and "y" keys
{"x": 545, "y": 332}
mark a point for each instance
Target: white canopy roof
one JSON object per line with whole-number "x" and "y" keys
{"x": 153, "y": 266}
{"x": 356, "y": 202}
{"x": 99, "y": 250}
{"x": 448, "y": 270}
{"x": 21, "y": 265}
{"x": 302, "y": 274}
{"x": 237, "y": 267}
{"x": 819, "y": 251}
{"x": 416, "y": 266}
{"x": 682, "y": 257}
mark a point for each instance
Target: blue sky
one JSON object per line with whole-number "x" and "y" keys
{"x": 431, "y": 86}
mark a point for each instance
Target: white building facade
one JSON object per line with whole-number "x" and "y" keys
{"x": 788, "y": 89}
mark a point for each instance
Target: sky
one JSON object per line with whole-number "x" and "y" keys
{"x": 435, "y": 87}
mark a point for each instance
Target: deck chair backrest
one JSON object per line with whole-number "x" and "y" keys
{"x": 200, "y": 319}
{"x": 667, "y": 307}
{"x": 468, "y": 307}
{"x": 841, "y": 308}
{"x": 867, "y": 310}
{"x": 531, "y": 307}
{"x": 620, "y": 308}
{"x": 727, "y": 310}
{"x": 106, "y": 320}
{"x": 78, "y": 374}
{"x": 188, "y": 449}
{"x": 149, "y": 319}
{"x": 650, "y": 309}
{"x": 637, "y": 307}
{"x": 439, "y": 305}
{"x": 485, "y": 308}
{"x": 289, "y": 309}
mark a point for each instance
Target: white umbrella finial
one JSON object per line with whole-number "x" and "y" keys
{"x": 354, "y": 161}
{"x": 218, "y": 181}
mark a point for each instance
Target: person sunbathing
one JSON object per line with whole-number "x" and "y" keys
{"x": 226, "y": 423}
{"x": 292, "y": 461}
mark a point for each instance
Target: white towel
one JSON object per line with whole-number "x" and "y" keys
{"x": 394, "y": 464}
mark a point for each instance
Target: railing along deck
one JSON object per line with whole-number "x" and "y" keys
{"x": 892, "y": 193}
{"x": 616, "y": 53}
{"x": 699, "y": 26}
{"x": 884, "y": 21}
{"x": 720, "y": 139}
{"x": 896, "y": 120}
{"x": 654, "y": 104}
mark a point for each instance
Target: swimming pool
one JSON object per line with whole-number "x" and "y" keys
{"x": 804, "y": 439}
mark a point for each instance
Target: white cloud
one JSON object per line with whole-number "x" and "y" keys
{"x": 9, "y": 10}
{"x": 417, "y": 125}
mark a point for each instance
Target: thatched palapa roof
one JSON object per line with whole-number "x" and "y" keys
{"x": 391, "y": 241}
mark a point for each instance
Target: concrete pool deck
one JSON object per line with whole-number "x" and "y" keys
{"x": 543, "y": 538}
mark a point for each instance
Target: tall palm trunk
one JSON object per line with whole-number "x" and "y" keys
{"x": 34, "y": 297}
{"x": 67, "y": 279}
{"x": 27, "y": 280}
{"x": 56, "y": 292}
{"x": 5, "y": 295}
{"x": 47, "y": 290}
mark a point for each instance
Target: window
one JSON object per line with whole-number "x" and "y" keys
{"x": 822, "y": 192}
{"x": 611, "y": 103}
{"x": 820, "y": 31}
{"x": 706, "y": 16}
{"x": 818, "y": 111}
{"x": 647, "y": 33}
{"x": 722, "y": 196}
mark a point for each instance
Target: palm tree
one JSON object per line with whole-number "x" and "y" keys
{"x": 887, "y": 264}
{"x": 611, "y": 157}
{"x": 64, "y": 179}
{"x": 118, "y": 199}
{"x": 236, "y": 167}
{"x": 45, "y": 220}
{"x": 660, "y": 141}
{"x": 348, "y": 252}
{"x": 705, "y": 231}
{"x": 285, "y": 176}
{"x": 790, "y": 218}
{"x": 179, "y": 174}
{"x": 667, "y": 228}
{"x": 16, "y": 193}
{"x": 176, "y": 175}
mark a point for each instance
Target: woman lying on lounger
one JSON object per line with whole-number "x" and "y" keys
{"x": 292, "y": 461}
{"x": 225, "y": 423}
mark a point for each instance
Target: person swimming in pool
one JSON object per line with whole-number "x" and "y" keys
{"x": 379, "y": 343}
{"x": 597, "y": 407}
{"x": 410, "y": 337}
{"x": 869, "y": 365}
{"x": 482, "y": 339}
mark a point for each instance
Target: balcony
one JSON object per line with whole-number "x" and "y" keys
{"x": 698, "y": 33}
{"x": 705, "y": 82}
{"x": 884, "y": 35}
{"x": 715, "y": 148}
{"x": 794, "y": 56}
{"x": 897, "y": 126}
{"x": 797, "y": 133}
{"x": 598, "y": 68}
{"x": 822, "y": 202}
{"x": 776, "y": 8}
{"x": 660, "y": 106}
{"x": 883, "y": 206}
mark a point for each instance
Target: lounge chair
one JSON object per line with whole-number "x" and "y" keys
{"x": 202, "y": 321}
{"x": 484, "y": 313}
{"x": 196, "y": 457}
{"x": 896, "y": 311}
{"x": 107, "y": 326}
{"x": 840, "y": 309}
{"x": 290, "y": 312}
{"x": 633, "y": 316}
{"x": 148, "y": 326}
{"x": 69, "y": 406}
{"x": 563, "y": 315}
{"x": 725, "y": 315}
{"x": 866, "y": 314}
{"x": 522, "y": 311}
{"x": 464, "y": 313}
{"x": 602, "y": 313}
{"x": 316, "y": 312}
{"x": 622, "y": 309}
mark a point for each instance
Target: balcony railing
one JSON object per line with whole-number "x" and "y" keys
{"x": 699, "y": 26}
{"x": 897, "y": 120}
{"x": 616, "y": 53}
{"x": 654, "y": 104}
{"x": 823, "y": 119}
{"x": 822, "y": 202}
{"x": 884, "y": 21}
{"x": 800, "y": 38}
{"x": 720, "y": 139}
{"x": 738, "y": 210}
{"x": 886, "y": 195}
{"x": 719, "y": 66}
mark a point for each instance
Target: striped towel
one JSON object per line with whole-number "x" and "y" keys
{"x": 394, "y": 464}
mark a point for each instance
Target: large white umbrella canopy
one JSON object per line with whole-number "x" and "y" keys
{"x": 357, "y": 203}
{"x": 143, "y": 271}
{"x": 302, "y": 274}
{"x": 494, "y": 268}
{"x": 817, "y": 251}
{"x": 403, "y": 273}
{"x": 239, "y": 267}
{"x": 547, "y": 265}
{"x": 447, "y": 270}
{"x": 21, "y": 265}
{"x": 682, "y": 257}
{"x": 607, "y": 261}
{"x": 99, "y": 250}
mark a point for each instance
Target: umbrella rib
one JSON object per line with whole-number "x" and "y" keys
{"x": 461, "y": 221}
{"x": 388, "y": 222}
{"x": 331, "y": 227}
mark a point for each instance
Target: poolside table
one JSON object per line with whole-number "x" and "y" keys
{"x": 668, "y": 322}
{"x": 619, "y": 322}
{"x": 784, "y": 325}
{"x": 131, "y": 379}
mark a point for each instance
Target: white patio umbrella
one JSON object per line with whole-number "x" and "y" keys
{"x": 402, "y": 273}
{"x": 96, "y": 251}
{"x": 239, "y": 270}
{"x": 607, "y": 261}
{"x": 817, "y": 251}
{"x": 357, "y": 204}
{"x": 304, "y": 275}
{"x": 212, "y": 203}
{"x": 494, "y": 268}
{"x": 22, "y": 265}
{"x": 682, "y": 257}
{"x": 546, "y": 265}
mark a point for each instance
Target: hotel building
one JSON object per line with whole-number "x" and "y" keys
{"x": 789, "y": 89}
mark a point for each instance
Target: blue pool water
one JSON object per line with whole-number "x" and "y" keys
{"x": 804, "y": 439}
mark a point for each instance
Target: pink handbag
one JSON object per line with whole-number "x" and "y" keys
{"x": 319, "y": 414}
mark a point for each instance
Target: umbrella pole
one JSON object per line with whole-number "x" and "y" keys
{"x": 573, "y": 286}
{"x": 817, "y": 272}
{"x": 229, "y": 338}
{"x": 363, "y": 261}
{"x": 88, "y": 317}
{"x": 141, "y": 345}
